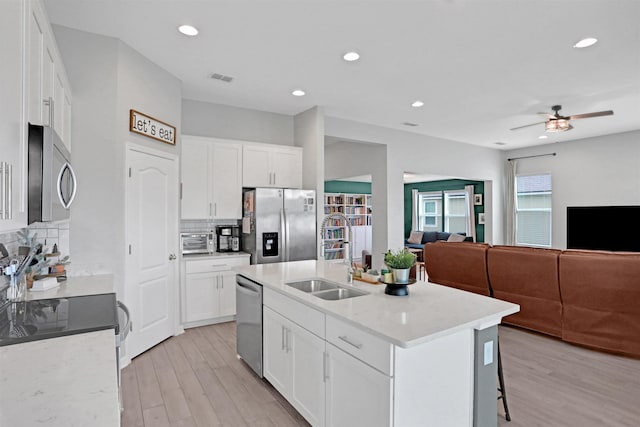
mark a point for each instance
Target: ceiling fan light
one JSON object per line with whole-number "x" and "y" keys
{"x": 557, "y": 125}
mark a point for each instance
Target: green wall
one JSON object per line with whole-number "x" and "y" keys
{"x": 352, "y": 187}
{"x": 451, "y": 184}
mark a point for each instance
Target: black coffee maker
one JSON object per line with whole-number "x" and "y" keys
{"x": 227, "y": 238}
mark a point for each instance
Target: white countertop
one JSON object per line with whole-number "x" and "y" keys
{"x": 66, "y": 381}
{"x": 429, "y": 312}
{"x": 77, "y": 286}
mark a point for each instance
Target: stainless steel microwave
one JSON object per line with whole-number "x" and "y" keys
{"x": 196, "y": 243}
{"x": 52, "y": 181}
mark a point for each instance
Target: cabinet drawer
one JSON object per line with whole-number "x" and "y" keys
{"x": 364, "y": 346}
{"x": 305, "y": 316}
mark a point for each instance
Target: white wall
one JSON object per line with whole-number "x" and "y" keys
{"x": 108, "y": 78}
{"x": 224, "y": 121}
{"x": 411, "y": 152}
{"x": 600, "y": 171}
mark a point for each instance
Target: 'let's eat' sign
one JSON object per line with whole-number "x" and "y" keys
{"x": 153, "y": 128}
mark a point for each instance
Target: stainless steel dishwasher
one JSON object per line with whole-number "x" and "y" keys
{"x": 249, "y": 322}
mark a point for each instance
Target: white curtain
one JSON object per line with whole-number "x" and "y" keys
{"x": 471, "y": 215}
{"x": 414, "y": 209}
{"x": 510, "y": 203}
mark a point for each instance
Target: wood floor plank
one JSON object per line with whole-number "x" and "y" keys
{"x": 176, "y": 404}
{"x": 156, "y": 416}
{"x": 148, "y": 385}
{"x": 187, "y": 422}
{"x": 132, "y": 413}
{"x": 209, "y": 353}
{"x": 164, "y": 371}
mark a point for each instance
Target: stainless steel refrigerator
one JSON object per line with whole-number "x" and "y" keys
{"x": 279, "y": 224}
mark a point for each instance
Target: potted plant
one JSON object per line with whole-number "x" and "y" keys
{"x": 400, "y": 262}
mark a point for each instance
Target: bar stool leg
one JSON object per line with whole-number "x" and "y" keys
{"x": 501, "y": 389}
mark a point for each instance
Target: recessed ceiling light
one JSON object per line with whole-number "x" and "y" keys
{"x": 188, "y": 30}
{"x": 410, "y": 124}
{"x": 298, "y": 92}
{"x": 351, "y": 56}
{"x": 500, "y": 143}
{"x": 417, "y": 104}
{"x": 543, "y": 137}
{"x": 589, "y": 41}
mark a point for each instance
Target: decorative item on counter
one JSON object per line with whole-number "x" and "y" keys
{"x": 400, "y": 263}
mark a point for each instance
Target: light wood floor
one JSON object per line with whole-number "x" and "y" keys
{"x": 196, "y": 380}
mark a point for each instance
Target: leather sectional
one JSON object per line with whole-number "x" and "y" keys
{"x": 590, "y": 298}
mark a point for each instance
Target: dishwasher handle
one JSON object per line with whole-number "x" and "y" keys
{"x": 248, "y": 287}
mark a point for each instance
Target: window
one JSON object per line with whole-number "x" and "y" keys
{"x": 430, "y": 211}
{"x": 455, "y": 211}
{"x": 533, "y": 210}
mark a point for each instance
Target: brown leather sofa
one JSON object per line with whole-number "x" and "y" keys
{"x": 590, "y": 298}
{"x": 601, "y": 300}
{"x": 528, "y": 277}
{"x": 460, "y": 265}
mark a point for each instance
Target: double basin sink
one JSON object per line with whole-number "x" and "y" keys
{"x": 326, "y": 290}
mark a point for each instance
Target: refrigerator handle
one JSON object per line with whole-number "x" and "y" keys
{"x": 286, "y": 235}
{"x": 283, "y": 236}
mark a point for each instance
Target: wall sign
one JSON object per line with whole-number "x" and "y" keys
{"x": 153, "y": 128}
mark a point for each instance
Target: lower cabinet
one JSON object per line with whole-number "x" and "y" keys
{"x": 356, "y": 394}
{"x": 209, "y": 289}
{"x": 294, "y": 364}
{"x": 328, "y": 386}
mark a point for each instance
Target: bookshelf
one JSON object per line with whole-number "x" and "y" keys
{"x": 356, "y": 207}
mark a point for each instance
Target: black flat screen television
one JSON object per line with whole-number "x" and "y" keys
{"x": 609, "y": 228}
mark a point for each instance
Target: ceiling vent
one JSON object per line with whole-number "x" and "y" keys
{"x": 410, "y": 124}
{"x": 222, "y": 77}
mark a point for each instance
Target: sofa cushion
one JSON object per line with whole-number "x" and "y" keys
{"x": 528, "y": 277}
{"x": 415, "y": 237}
{"x": 600, "y": 293}
{"x": 440, "y": 235}
{"x": 458, "y": 265}
{"x": 429, "y": 236}
{"x": 453, "y": 237}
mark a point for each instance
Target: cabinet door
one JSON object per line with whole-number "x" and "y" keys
{"x": 201, "y": 296}
{"x": 286, "y": 166}
{"x": 256, "y": 169}
{"x": 35, "y": 33}
{"x": 226, "y": 180}
{"x": 276, "y": 366}
{"x": 359, "y": 242}
{"x": 48, "y": 79}
{"x": 307, "y": 392}
{"x": 356, "y": 394}
{"x": 196, "y": 203}
{"x": 227, "y": 293}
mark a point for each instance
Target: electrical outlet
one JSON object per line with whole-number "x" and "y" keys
{"x": 488, "y": 353}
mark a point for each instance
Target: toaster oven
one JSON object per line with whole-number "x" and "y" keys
{"x": 196, "y": 243}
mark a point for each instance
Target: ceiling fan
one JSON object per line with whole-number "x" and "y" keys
{"x": 558, "y": 123}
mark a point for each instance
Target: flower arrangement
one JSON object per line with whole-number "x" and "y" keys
{"x": 400, "y": 259}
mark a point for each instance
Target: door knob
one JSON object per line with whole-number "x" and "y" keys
{"x": 172, "y": 257}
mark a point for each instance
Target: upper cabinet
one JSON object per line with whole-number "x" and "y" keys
{"x": 275, "y": 166}
{"x": 34, "y": 89}
{"x": 48, "y": 91}
{"x": 211, "y": 178}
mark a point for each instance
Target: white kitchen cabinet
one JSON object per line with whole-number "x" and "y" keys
{"x": 356, "y": 394}
{"x": 13, "y": 213}
{"x": 209, "y": 289}
{"x": 48, "y": 91}
{"x": 277, "y": 166}
{"x": 296, "y": 367}
{"x": 211, "y": 178}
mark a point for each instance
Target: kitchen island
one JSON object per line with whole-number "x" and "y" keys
{"x": 425, "y": 359}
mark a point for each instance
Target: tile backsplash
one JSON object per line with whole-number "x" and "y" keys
{"x": 48, "y": 233}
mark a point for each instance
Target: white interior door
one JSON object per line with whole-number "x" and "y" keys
{"x": 152, "y": 233}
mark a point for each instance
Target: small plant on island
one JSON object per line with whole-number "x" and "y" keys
{"x": 401, "y": 259}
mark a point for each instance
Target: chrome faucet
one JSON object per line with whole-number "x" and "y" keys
{"x": 349, "y": 249}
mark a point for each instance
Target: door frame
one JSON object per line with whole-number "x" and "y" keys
{"x": 174, "y": 308}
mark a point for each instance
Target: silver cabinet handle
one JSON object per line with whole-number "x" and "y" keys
{"x": 215, "y": 209}
{"x": 49, "y": 103}
{"x": 274, "y": 178}
{"x": 287, "y": 332}
{"x": 210, "y": 212}
{"x": 345, "y": 339}
{"x": 282, "y": 333}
